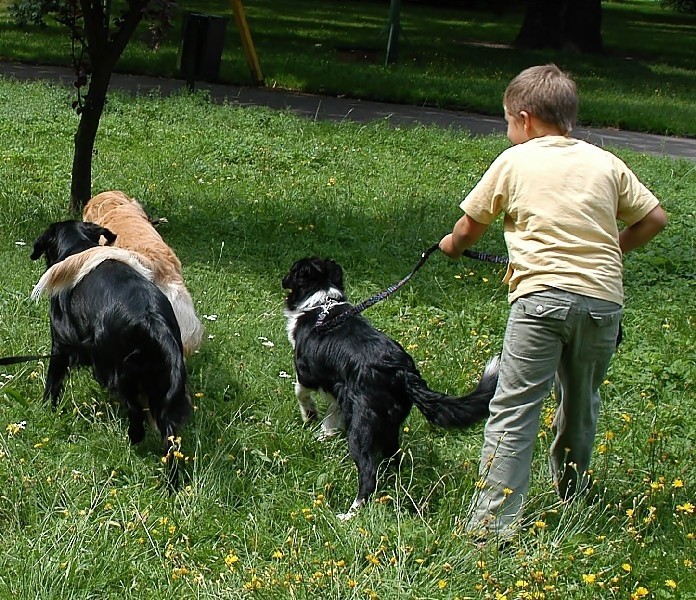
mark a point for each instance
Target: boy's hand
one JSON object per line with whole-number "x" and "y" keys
{"x": 466, "y": 233}
{"x": 448, "y": 247}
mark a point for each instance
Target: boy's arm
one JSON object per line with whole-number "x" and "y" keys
{"x": 466, "y": 233}
{"x": 643, "y": 231}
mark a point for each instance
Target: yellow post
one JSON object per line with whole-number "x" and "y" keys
{"x": 247, "y": 43}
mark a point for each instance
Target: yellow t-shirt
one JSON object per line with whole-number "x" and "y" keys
{"x": 561, "y": 198}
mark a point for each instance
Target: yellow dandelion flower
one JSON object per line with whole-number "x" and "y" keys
{"x": 609, "y": 435}
{"x": 352, "y": 583}
{"x": 626, "y": 567}
{"x": 588, "y": 551}
{"x": 670, "y": 583}
{"x": 442, "y": 584}
{"x": 15, "y": 428}
{"x": 630, "y": 512}
{"x": 507, "y": 491}
{"x": 677, "y": 483}
{"x": 277, "y": 554}
{"x": 231, "y": 559}
{"x": 198, "y": 394}
{"x": 626, "y": 417}
{"x": 589, "y": 578}
{"x": 687, "y": 508}
{"x": 540, "y": 524}
{"x": 688, "y": 563}
{"x": 371, "y": 558}
{"x": 640, "y": 592}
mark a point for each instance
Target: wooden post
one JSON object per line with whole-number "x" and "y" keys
{"x": 247, "y": 43}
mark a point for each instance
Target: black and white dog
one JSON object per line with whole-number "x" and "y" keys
{"x": 106, "y": 314}
{"x": 369, "y": 379}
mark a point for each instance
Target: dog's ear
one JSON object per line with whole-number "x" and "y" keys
{"x": 95, "y": 232}
{"x": 41, "y": 243}
{"x": 335, "y": 273}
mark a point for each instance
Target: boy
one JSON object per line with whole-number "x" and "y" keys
{"x": 561, "y": 198}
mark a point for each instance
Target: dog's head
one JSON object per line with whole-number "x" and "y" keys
{"x": 308, "y": 276}
{"x": 102, "y": 204}
{"x": 69, "y": 237}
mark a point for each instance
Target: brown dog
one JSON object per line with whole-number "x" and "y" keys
{"x": 134, "y": 231}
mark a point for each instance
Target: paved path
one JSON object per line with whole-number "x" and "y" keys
{"x": 339, "y": 109}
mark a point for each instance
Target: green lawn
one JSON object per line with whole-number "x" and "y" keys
{"x": 450, "y": 58}
{"x": 246, "y": 192}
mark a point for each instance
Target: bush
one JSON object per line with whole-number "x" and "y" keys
{"x": 31, "y": 12}
{"x": 684, "y": 6}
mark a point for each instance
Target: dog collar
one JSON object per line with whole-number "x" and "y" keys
{"x": 326, "y": 309}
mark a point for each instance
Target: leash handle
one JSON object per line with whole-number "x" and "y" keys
{"x": 494, "y": 258}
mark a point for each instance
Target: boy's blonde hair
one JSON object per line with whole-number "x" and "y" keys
{"x": 545, "y": 92}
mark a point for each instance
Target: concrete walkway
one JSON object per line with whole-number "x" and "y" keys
{"x": 340, "y": 109}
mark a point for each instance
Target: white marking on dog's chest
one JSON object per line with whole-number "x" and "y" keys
{"x": 325, "y": 299}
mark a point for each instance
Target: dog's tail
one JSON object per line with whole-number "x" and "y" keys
{"x": 456, "y": 411}
{"x": 185, "y": 312}
{"x": 70, "y": 271}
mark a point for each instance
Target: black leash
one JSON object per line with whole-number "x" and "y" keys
{"x": 13, "y": 360}
{"x": 324, "y": 325}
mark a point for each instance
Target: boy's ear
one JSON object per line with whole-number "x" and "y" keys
{"x": 526, "y": 120}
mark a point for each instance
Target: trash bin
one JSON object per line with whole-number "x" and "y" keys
{"x": 202, "y": 41}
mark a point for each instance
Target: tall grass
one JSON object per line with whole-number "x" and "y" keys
{"x": 246, "y": 192}
{"x": 448, "y": 57}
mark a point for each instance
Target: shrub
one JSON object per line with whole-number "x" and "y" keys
{"x": 684, "y": 6}
{"x": 31, "y": 12}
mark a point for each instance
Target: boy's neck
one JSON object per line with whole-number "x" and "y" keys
{"x": 536, "y": 128}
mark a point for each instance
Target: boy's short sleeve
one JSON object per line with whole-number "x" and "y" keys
{"x": 490, "y": 195}
{"x": 635, "y": 200}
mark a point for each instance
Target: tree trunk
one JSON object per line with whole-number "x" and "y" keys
{"x": 562, "y": 25}
{"x": 104, "y": 48}
{"x": 81, "y": 186}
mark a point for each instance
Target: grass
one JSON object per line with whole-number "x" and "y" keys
{"x": 246, "y": 192}
{"x": 451, "y": 58}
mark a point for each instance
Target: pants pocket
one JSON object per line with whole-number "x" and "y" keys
{"x": 606, "y": 325}
{"x": 606, "y": 319}
{"x": 545, "y": 308}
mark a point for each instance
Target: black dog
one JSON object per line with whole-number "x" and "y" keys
{"x": 371, "y": 381}
{"x": 106, "y": 315}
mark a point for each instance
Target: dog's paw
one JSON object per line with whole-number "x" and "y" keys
{"x": 309, "y": 415}
{"x": 327, "y": 434}
{"x": 352, "y": 511}
{"x": 136, "y": 432}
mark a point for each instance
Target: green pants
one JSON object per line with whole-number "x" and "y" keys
{"x": 550, "y": 335}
